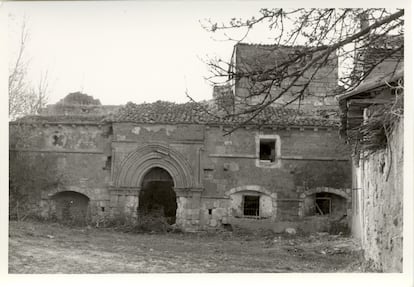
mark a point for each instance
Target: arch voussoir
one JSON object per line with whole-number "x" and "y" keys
{"x": 134, "y": 167}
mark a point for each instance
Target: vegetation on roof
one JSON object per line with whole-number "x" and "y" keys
{"x": 78, "y": 98}
{"x": 374, "y": 133}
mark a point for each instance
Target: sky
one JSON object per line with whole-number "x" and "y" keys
{"x": 125, "y": 51}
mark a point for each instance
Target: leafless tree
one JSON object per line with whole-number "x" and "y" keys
{"x": 24, "y": 96}
{"x": 361, "y": 39}
{"x": 28, "y": 173}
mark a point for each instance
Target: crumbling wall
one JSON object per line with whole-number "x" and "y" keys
{"x": 79, "y": 154}
{"x": 382, "y": 204}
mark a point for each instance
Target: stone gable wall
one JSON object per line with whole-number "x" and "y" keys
{"x": 324, "y": 82}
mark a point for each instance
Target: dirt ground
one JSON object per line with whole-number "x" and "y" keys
{"x": 36, "y": 247}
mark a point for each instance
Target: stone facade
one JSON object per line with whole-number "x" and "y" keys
{"x": 214, "y": 174}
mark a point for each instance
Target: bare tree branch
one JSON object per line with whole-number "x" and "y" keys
{"x": 316, "y": 38}
{"x": 24, "y": 97}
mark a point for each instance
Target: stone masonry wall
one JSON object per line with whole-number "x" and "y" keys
{"x": 221, "y": 169}
{"x": 309, "y": 158}
{"x": 382, "y": 205}
{"x": 227, "y": 167}
{"x": 80, "y": 154}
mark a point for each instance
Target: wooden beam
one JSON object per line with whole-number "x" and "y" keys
{"x": 373, "y": 101}
{"x": 355, "y": 116}
{"x": 356, "y": 108}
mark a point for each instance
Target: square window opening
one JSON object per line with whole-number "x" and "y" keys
{"x": 268, "y": 150}
{"x": 251, "y": 205}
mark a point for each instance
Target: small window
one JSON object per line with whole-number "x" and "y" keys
{"x": 323, "y": 205}
{"x": 251, "y": 205}
{"x": 267, "y": 150}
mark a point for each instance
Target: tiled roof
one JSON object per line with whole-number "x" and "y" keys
{"x": 372, "y": 83}
{"x": 203, "y": 113}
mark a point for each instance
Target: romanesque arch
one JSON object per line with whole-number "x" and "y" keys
{"x": 134, "y": 167}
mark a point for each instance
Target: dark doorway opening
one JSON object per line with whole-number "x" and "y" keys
{"x": 72, "y": 207}
{"x": 157, "y": 196}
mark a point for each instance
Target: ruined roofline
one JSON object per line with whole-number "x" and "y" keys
{"x": 334, "y": 126}
{"x": 203, "y": 114}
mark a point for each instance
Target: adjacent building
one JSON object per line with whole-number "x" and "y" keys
{"x": 372, "y": 123}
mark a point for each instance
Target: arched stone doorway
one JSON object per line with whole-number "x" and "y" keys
{"x": 129, "y": 176}
{"x": 157, "y": 196}
{"x": 71, "y": 207}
